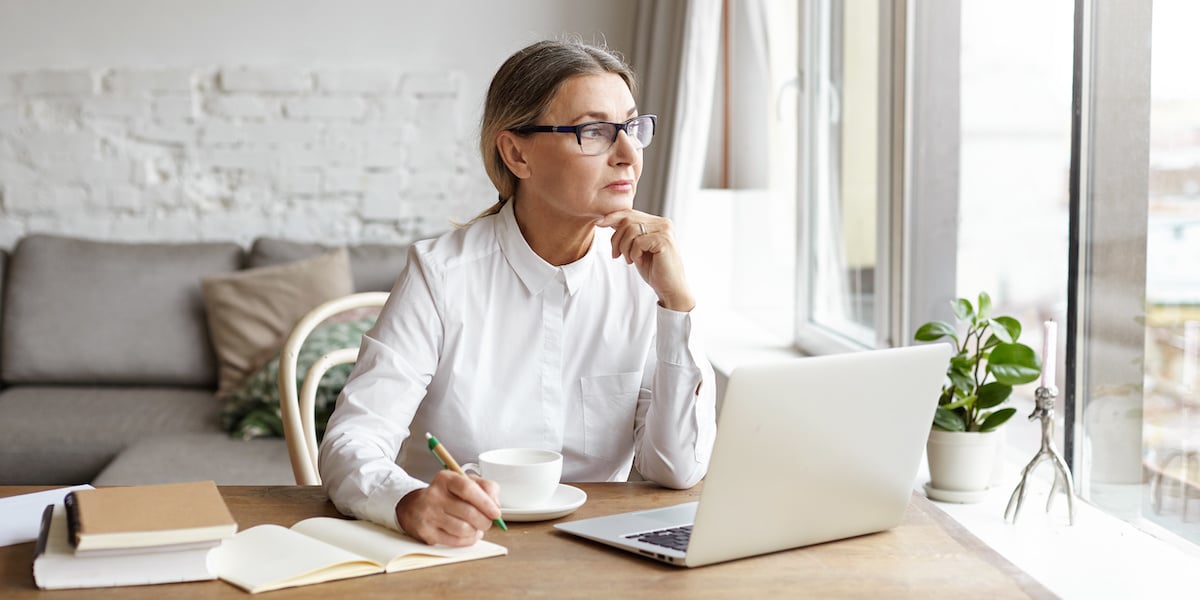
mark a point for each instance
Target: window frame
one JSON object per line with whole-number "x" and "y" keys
{"x": 917, "y": 194}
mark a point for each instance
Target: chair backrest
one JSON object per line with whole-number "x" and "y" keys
{"x": 299, "y": 424}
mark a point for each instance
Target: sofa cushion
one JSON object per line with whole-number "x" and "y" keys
{"x": 251, "y": 312}
{"x": 375, "y": 266}
{"x": 200, "y": 456}
{"x": 82, "y": 311}
{"x": 253, "y": 410}
{"x": 57, "y": 435}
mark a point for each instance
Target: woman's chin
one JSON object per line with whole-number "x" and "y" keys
{"x": 612, "y": 203}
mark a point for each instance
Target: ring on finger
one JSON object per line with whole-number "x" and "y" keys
{"x": 642, "y": 228}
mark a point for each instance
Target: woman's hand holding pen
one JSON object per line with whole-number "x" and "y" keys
{"x": 454, "y": 510}
{"x": 646, "y": 241}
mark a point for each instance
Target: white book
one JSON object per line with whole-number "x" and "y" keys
{"x": 55, "y": 565}
{"x": 21, "y": 515}
{"x": 271, "y": 557}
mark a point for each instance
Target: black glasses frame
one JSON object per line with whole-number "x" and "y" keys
{"x": 577, "y": 129}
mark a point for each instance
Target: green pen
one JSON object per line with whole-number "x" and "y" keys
{"x": 448, "y": 462}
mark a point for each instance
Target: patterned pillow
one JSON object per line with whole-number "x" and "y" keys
{"x": 252, "y": 409}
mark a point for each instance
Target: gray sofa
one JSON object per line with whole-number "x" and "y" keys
{"x": 107, "y": 372}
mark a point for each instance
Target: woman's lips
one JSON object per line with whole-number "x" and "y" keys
{"x": 623, "y": 185}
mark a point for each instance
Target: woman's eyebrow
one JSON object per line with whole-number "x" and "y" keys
{"x": 596, "y": 116}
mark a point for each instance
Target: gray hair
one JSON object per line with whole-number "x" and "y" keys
{"x": 522, "y": 90}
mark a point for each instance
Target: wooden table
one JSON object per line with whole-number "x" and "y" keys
{"x": 927, "y": 556}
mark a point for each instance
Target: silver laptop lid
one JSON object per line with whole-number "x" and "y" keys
{"x": 816, "y": 449}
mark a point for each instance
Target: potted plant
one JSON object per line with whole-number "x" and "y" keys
{"x": 988, "y": 362}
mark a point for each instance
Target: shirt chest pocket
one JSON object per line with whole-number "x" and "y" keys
{"x": 609, "y": 408}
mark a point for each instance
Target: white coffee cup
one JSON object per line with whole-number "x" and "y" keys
{"x": 528, "y": 477}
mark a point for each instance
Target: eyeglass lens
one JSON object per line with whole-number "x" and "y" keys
{"x": 597, "y": 138}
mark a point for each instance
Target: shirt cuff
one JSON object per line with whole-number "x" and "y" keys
{"x": 674, "y": 340}
{"x": 381, "y": 503}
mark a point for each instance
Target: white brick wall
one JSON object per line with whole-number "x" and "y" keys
{"x": 130, "y": 82}
{"x": 56, "y": 83}
{"x": 340, "y": 155}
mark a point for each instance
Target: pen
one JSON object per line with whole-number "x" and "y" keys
{"x": 443, "y": 456}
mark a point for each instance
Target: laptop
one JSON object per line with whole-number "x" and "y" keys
{"x": 808, "y": 450}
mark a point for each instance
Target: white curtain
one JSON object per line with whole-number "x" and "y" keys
{"x": 676, "y": 45}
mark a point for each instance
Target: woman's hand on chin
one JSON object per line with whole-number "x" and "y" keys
{"x": 647, "y": 241}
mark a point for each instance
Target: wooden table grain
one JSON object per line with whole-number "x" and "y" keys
{"x": 927, "y": 556}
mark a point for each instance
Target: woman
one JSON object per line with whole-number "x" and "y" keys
{"x": 559, "y": 319}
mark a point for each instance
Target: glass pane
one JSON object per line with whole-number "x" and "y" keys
{"x": 763, "y": 213}
{"x": 1014, "y": 173}
{"x": 845, "y": 155}
{"x": 739, "y": 232}
{"x": 1171, "y": 431}
{"x": 1140, "y": 313}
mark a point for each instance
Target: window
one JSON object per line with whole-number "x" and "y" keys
{"x": 937, "y": 161}
{"x": 1138, "y": 440}
{"x": 742, "y": 225}
{"x": 839, "y": 255}
{"x": 939, "y": 155}
{"x": 1014, "y": 169}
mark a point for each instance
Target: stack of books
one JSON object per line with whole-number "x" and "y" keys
{"x": 135, "y": 535}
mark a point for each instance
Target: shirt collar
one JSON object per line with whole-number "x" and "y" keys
{"x": 534, "y": 271}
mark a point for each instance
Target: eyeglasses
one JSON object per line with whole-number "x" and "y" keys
{"x": 597, "y": 137}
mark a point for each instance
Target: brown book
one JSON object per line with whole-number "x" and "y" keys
{"x": 147, "y": 516}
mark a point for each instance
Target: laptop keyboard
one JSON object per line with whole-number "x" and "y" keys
{"x": 675, "y": 538}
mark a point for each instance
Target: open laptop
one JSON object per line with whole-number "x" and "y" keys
{"x": 807, "y": 451}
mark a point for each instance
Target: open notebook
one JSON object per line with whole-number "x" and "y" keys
{"x": 270, "y": 557}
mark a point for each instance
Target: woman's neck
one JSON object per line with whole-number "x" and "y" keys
{"x": 557, "y": 240}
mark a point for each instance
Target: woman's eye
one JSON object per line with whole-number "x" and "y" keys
{"x": 592, "y": 132}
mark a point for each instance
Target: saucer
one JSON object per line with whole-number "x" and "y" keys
{"x": 564, "y": 502}
{"x": 954, "y": 496}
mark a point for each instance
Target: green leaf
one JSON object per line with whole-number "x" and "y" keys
{"x": 948, "y": 420}
{"x": 1014, "y": 364}
{"x": 1000, "y": 331}
{"x": 964, "y": 402}
{"x": 962, "y": 364}
{"x": 1010, "y": 325}
{"x": 962, "y": 382}
{"x": 935, "y": 330}
{"x": 991, "y": 343}
{"x": 947, "y": 395}
{"x": 985, "y": 305}
{"x": 963, "y": 309}
{"x": 997, "y": 419}
{"x": 993, "y": 394}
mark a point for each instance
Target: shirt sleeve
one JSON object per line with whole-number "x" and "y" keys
{"x": 676, "y": 417}
{"x": 396, "y": 362}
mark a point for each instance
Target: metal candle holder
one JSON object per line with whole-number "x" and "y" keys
{"x": 1044, "y": 410}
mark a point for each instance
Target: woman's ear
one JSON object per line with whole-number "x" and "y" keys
{"x": 512, "y": 151}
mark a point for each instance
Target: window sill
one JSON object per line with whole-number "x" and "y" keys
{"x": 1100, "y": 556}
{"x": 734, "y": 340}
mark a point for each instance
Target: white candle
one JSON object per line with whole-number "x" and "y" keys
{"x": 1049, "y": 345}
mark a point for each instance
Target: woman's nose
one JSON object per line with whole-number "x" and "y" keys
{"x": 624, "y": 150}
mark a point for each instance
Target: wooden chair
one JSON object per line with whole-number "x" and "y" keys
{"x": 299, "y": 424}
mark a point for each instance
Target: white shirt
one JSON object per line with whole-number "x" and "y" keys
{"x": 485, "y": 345}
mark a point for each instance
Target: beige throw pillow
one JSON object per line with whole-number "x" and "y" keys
{"x": 251, "y": 312}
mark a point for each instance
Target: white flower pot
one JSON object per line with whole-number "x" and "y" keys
{"x": 960, "y": 464}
